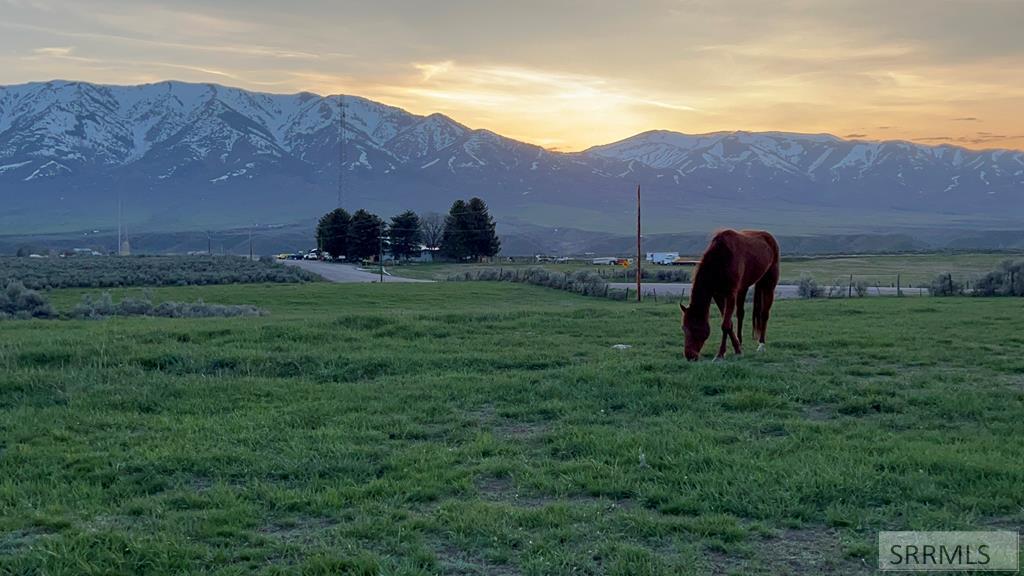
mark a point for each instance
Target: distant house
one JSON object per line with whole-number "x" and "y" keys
{"x": 426, "y": 255}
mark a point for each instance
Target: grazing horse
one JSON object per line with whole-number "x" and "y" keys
{"x": 732, "y": 263}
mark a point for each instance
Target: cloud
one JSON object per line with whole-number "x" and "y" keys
{"x": 243, "y": 49}
{"x": 583, "y": 74}
{"x": 550, "y": 107}
{"x": 55, "y": 51}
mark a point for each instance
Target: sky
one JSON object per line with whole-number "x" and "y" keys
{"x": 569, "y": 74}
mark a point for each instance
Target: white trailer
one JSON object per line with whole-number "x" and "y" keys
{"x": 665, "y": 258}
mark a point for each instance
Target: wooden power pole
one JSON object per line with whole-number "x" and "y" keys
{"x": 639, "y": 294}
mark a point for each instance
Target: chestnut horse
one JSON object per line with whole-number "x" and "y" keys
{"x": 732, "y": 263}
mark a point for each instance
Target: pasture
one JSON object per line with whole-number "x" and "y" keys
{"x": 490, "y": 428}
{"x": 881, "y": 269}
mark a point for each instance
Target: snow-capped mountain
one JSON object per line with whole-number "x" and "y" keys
{"x": 179, "y": 155}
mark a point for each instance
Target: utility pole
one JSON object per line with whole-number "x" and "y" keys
{"x": 380, "y": 251}
{"x": 341, "y": 151}
{"x": 250, "y": 243}
{"x": 639, "y": 295}
{"x": 119, "y": 226}
{"x": 209, "y": 244}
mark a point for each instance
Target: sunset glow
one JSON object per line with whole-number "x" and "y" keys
{"x": 572, "y": 74}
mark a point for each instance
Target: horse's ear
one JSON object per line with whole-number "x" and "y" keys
{"x": 682, "y": 307}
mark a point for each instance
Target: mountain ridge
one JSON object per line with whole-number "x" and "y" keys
{"x": 187, "y": 156}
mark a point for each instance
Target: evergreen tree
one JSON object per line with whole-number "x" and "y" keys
{"x": 455, "y": 243}
{"x": 484, "y": 237}
{"x": 405, "y": 235}
{"x": 332, "y": 232}
{"x": 364, "y": 233}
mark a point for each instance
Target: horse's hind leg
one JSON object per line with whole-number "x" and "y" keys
{"x": 765, "y": 294}
{"x": 741, "y": 300}
{"x": 757, "y": 314}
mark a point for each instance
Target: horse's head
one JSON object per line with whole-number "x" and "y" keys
{"x": 696, "y": 330}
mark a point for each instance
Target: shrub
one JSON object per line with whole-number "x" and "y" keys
{"x": 17, "y": 301}
{"x": 945, "y": 285}
{"x": 667, "y": 275}
{"x": 860, "y": 288}
{"x": 103, "y": 306}
{"x": 808, "y": 288}
{"x": 110, "y": 272}
{"x": 585, "y": 282}
{"x": 1007, "y": 280}
{"x": 838, "y": 289}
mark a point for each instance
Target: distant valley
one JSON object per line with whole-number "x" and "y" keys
{"x": 183, "y": 157}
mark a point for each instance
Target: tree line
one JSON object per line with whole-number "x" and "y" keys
{"x": 467, "y": 232}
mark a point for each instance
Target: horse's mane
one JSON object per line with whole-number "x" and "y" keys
{"x": 713, "y": 263}
{"x": 714, "y": 258}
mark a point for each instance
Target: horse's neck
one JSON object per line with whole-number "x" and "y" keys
{"x": 700, "y": 298}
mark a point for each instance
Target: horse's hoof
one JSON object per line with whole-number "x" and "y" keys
{"x": 718, "y": 359}
{"x": 760, "y": 347}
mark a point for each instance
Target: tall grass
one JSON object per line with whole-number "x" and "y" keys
{"x": 489, "y": 428}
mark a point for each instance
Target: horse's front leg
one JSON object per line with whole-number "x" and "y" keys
{"x": 728, "y": 334}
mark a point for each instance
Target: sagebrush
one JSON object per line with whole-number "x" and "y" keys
{"x": 113, "y": 272}
{"x": 103, "y": 305}
{"x": 584, "y": 282}
{"x": 945, "y": 285}
{"x": 807, "y": 287}
{"x": 1006, "y": 280}
{"x": 17, "y": 301}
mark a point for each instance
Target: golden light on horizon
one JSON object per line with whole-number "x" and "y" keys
{"x": 569, "y": 76}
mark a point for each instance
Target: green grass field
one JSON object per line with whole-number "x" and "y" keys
{"x": 489, "y": 428}
{"x": 914, "y": 269}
